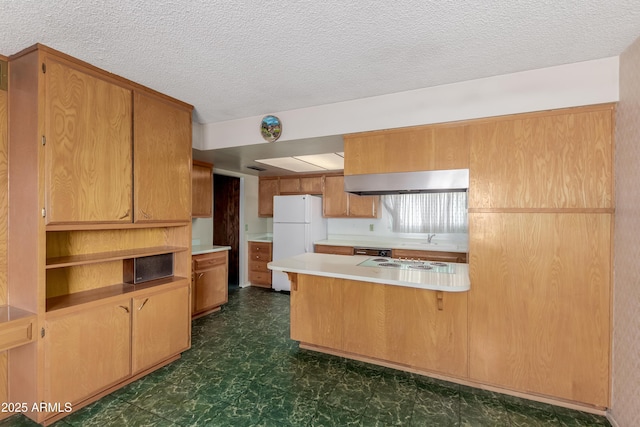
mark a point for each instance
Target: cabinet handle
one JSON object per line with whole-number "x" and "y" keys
{"x": 126, "y": 309}
{"x": 200, "y": 275}
{"x": 126, "y": 214}
{"x": 440, "y": 300}
{"x": 145, "y": 215}
{"x": 143, "y": 303}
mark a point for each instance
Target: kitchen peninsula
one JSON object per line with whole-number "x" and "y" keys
{"x": 404, "y": 318}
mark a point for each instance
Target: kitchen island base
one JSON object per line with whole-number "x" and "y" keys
{"x": 417, "y": 330}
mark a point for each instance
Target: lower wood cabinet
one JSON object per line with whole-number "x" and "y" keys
{"x": 420, "y": 329}
{"x": 438, "y": 256}
{"x": 335, "y": 250}
{"x": 90, "y": 349}
{"x": 540, "y": 303}
{"x": 87, "y": 351}
{"x": 160, "y": 327}
{"x": 317, "y": 311}
{"x": 210, "y": 282}
{"x": 260, "y": 254}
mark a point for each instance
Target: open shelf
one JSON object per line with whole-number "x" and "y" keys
{"x": 71, "y": 260}
{"x": 93, "y": 295}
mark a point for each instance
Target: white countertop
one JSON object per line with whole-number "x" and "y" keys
{"x": 397, "y": 243}
{"x": 346, "y": 267}
{"x": 260, "y": 238}
{"x": 207, "y": 249}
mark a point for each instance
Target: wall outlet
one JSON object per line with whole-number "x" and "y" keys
{"x": 370, "y": 227}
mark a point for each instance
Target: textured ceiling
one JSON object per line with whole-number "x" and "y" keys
{"x": 235, "y": 59}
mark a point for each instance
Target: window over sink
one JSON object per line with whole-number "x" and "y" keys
{"x": 427, "y": 212}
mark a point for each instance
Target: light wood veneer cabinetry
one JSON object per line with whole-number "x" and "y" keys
{"x": 335, "y": 250}
{"x": 267, "y": 188}
{"x": 210, "y": 288}
{"x": 420, "y": 329}
{"x": 540, "y": 238}
{"x": 420, "y": 148}
{"x": 286, "y": 185}
{"x": 430, "y": 255}
{"x": 162, "y": 161}
{"x": 260, "y": 254}
{"x": 88, "y": 146}
{"x": 336, "y": 203}
{"x": 100, "y": 173}
{"x": 202, "y": 190}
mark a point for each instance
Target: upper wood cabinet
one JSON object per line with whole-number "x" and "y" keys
{"x": 339, "y": 204}
{"x": 162, "y": 161}
{"x": 301, "y": 185}
{"x": 553, "y": 160}
{"x": 88, "y": 158}
{"x": 267, "y": 188}
{"x": 433, "y": 147}
{"x": 289, "y": 185}
{"x": 201, "y": 190}
{"x": 311, "y": 184}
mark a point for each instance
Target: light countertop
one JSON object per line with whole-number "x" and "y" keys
{"x": 396, "y": 243}
{"x": 263, "y": 237}
{"x": 207, "y": 249}
{"x": 346, "y": 267}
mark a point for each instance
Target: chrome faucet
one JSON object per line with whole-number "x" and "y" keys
{"x": 429, "y": 237}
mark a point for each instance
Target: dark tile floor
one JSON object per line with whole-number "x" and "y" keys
{"x": 243, "y": 370}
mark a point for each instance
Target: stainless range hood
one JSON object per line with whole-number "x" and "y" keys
{"x": 408, "y": 182}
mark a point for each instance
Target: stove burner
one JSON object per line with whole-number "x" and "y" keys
{"x": 438, "y": 264}
{"x": 409, "y": 261}
{"x": 421, "y": 267}
{"x": 380, "y": 260}
{"x": 388, "y": 264}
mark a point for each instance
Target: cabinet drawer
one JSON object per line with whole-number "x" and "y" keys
{"x": 336, "y": 250}
{"x": 260, "y": 247}
{"x": 16, "y": 333}
{"x": 260, "y": 256}
{"x": 207, "y": 261}
{"x": 259, "y": 266}
{"x": 260, "y": 278}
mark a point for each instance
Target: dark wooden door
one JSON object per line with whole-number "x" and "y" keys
{"x": 226, "y": 220}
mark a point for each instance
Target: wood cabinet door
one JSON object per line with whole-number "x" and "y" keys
{"x": 160, "y": 327}
{"x": 289, "y": 185}
{"x": 364, "y": 319}
{"x": 87, "y": 351}
{"x": 311, "y": 184}
{"x": 88, "y": 160}
{"x": 427, "y": 329}
{"x": 211, "y": 283}
{"x": 202, "y": 191}
{"x": 267, "y": 188}
{"x": 335, "y": 250}
{"x": 540, "y": 301}
{"x": 162, "y": 160}
{"x": 364, "y": 206}
{"x": 316, "y": 310}
{"x": 561, "y": 160}
{"x": 420, "y": 148}
{"x": 335, "y": 200}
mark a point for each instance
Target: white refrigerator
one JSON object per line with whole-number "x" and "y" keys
{"x": 297, "y": 223}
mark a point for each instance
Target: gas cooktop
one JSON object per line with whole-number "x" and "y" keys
{"x": 410, "y": 264}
